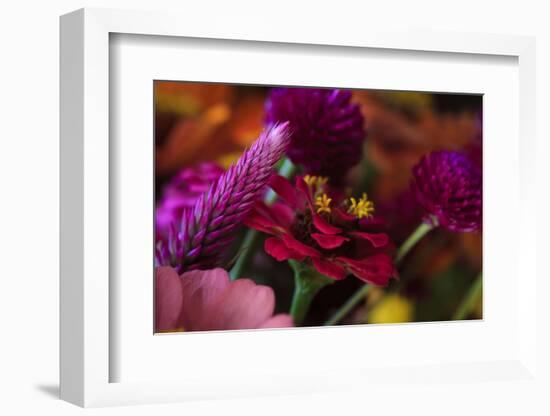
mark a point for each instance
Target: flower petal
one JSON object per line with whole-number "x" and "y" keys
{"x": 285, "y": 190}
{"x": 283, "y": 213}
{"x": 377, "y": 269}
{"x": 267, "y": 219}
{"x": 200, "y": 290}
{"x": 260, "y": 223}
{"x": 299, "y": 247}
{"x": 329, "y": 241}
{"x": 280, "y": 251}
{"x": 324, "y": 226}
{"x": 343, "y": 217}
{"x": 329, "y": 268}
{"x": 242, "y": 305}
{"x": 278, "y": 321}
{"x": 303, "y": 187}
{"x": 377, "y": 239}
{"x": 168, "y": 299}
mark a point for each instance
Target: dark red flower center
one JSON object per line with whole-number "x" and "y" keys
{"x": 303, "y": 227}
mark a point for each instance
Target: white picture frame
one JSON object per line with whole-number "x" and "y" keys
{"x": 87, "y": 356}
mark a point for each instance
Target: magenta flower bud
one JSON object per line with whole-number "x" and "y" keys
{"x": 448, "y": 186}
{"x": 209, "y": 227}
{"x": 327, "y": 129}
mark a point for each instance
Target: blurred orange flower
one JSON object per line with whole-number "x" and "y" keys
{"x": 404, "y": 126}
{"x": 195, "y": 122}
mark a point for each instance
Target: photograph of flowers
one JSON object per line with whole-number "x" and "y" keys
{"x": 304, "y": 207}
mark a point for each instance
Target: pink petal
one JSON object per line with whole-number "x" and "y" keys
{"x": 324, "y": 226}
{"x": 270, "y": 219}
{"x": 329, "y": 241}
{"x": 279, "y": 250}
{"x": 278, "y": 321}
{"x": 261, "y": 209}
{"x": 377, "y": 239}
{"x": 285, "y": 190}
{"x": 284, "y": 214}
{"x": 168, "y": 299}
{"x": 302, "y": 186}
{"x": 259, "y": 222}
{"x": 200, "y": 290}
{"x": 343, "y": 216}
{"x": 299, "y": 247}
{"x": 242, "y": 305}
{"x": 329, "y": 268}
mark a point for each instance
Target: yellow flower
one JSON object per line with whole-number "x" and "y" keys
{"x": 392, "y": 309}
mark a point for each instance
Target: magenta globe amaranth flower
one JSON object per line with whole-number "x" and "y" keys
{"x": 182, "y": 192}
{"x": 327, "y": 129}
{"x": 448, "y": 186}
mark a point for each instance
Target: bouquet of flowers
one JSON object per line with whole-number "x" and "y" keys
{"x": 285, "y": 233}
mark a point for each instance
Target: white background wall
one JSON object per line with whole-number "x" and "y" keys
{"x": 29, "y": 183}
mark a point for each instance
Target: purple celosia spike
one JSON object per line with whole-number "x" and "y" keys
{"x": 208, "y": 228}
{"x": 448, "y": 186}
{"x": 327, "y": 129}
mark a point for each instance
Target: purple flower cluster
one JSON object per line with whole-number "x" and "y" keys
{"x": 448, "y": 186}
{"x": 182, "y": 192}
{"x": 327, "y": 129}
{"x": 209, "y": 227}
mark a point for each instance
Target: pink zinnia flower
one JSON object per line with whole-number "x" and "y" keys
{"x": 182, "y": 192}
{"x": 337, "y": 239}
{"x": 206, "y": 300}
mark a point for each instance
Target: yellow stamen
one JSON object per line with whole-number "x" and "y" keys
{"x": 322, "y": 180}
{"x": 323, "y": 203}
{"x": 310, "y": 180}
{"x": 361, "y": 208}
{"x": 315, "y": 181}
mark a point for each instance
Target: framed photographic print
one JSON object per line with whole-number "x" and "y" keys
{"x": 269, "y": 213}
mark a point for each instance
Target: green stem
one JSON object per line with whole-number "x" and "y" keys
{"x": 301, "y": 301}
{"x": 307, "y": 282}
{"x": 360, "y": 294}
{"x": 410, "y": 242}
{"x": 246, "y": 250}
{"x": 251, "y": 238}
{"x": 465, "y": 308}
